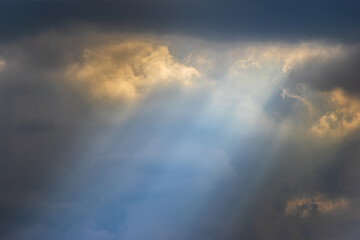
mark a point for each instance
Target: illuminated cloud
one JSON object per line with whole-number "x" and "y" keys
{"x": 285, "y": 94}
{"x": 342, "y": 118}
{"x": 285, "y": 56}
{"x": 305, "y": 206}
{"x": 293, "y": 56}
{"x": 128, "y": 70}
{"x": 2, "y": 64}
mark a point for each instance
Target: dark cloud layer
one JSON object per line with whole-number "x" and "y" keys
{"x": 325, "y": 75}
{"x": 248, "y": 20}
{"x": 39, "y": 125}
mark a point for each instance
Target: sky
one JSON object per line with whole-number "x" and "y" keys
{"x": 179, "y": 119}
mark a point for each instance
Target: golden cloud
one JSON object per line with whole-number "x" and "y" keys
{"x": 2, "y": 64}
{"x": 342, "y": 119}
{"x": 305, "y": 206}
{"x": 128, "y": 70}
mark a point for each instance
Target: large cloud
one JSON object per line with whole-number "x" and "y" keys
{"x": 232, "y": 158}
{"x": 128, "y": 70}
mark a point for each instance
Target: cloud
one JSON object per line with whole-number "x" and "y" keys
{"x": 285, "y": 94}
{"x": 215, "y": 19}
{"x": 210, "y": 162}
{"x": 342, "y": 118}
{"x": 290, "y": 55}
{"x": 305, "y": 206}
{"x": 2, "y": 64}
{"x": 128, "y": 70}
{"x": 326, "y": 74}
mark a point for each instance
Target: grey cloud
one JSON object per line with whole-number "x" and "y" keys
{"x": 340, "y": 176}
{"x": 325, "y": 75}
{"x": 222, "y": 20}
{"x": 39, "y": 125}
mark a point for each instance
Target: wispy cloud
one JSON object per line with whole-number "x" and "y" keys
{"x": 305, "y": 206}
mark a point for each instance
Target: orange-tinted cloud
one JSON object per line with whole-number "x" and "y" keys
{"x": 343, "y": 117}
{"x": 128, "y": 70}
{"x": 305, "y": 206}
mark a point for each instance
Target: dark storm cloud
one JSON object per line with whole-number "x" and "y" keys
{"x": 248, "y": 20}
{"x": 339, "y": 177}
{"x": 39, "y": 125}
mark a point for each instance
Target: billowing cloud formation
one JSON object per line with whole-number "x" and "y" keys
{"x": 235, "y": 158}
{"x": 128, "y": 70}
{"x": 343, "y": 117}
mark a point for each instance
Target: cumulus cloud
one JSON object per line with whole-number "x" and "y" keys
{"x": 128, "y": 70}
{"x": 342, "y": 118}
